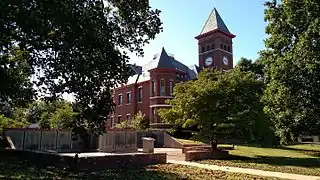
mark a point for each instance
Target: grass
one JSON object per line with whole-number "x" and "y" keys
{"x": 187, "y": 141}
{"x": 15, "y": 169}
{"x": 298, "y": 159}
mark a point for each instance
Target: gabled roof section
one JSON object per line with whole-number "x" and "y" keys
{"x": 193, "y": 71}
{"x": 160, "y": 60}
{"x": 214, "y": 22}
{"x": 163, "y": 60}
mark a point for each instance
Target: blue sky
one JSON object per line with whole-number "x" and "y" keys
{"x": 184, "y": 19}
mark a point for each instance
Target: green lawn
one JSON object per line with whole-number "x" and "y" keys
{"x": 14, "y": 169}
{"x": 187, "y": 141}
{"x": 298, "y": 159}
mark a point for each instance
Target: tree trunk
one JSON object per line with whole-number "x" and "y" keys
{"x": 214, "y": 145}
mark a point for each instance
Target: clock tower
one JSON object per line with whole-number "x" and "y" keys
{"x": 215, "y": 44}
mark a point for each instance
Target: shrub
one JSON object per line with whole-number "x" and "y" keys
{"x": 139, "y": 122}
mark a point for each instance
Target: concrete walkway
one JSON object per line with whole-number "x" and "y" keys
{"x": 246, "y": 170}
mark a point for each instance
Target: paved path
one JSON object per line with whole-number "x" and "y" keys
{"x": 245, "y": 170}
{"x": 172, "y": 153}
{"x": 175, "y": 156}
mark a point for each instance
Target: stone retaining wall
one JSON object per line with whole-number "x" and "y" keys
{"x": 87, "y": 163}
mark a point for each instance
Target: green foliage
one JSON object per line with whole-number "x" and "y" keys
{"x": 139, "y": 122}
{"x": 44, "y": 122}
{"x": 291, "y": 61}
{"x": 16, "y": 119}
{"x": 124, "y": 125}
{"x": 35, "y": 110}
{"x": 10, "y": 123}
{"x": 77, "y": 47}
{"x": 57, "y": 114}
{"x": 248, "y": 65}
{"x": 222, "y": 104}
{"x": 15, "y": 72}
{"x": 63, "y": 117}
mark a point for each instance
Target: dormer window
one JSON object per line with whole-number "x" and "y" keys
{"x": 212, "y": 46}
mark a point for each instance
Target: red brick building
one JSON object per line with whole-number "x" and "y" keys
{"x": 153, "y": 83}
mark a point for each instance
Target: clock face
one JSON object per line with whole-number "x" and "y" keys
{"x": 225, "y": 60}
{"x": 208, "y": 61}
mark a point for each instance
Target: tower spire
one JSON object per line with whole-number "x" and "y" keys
{"x": 214, "y": 23}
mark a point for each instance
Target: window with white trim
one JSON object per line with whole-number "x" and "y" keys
{"x": 153, "y": 114}
{"x": 162, "y": 88}
{"x": 140, "y": 94}
{"x": 119, "y": 119}
{"x": 120, "y": 99}
{"x": 112, "y": 121}
{"x": 153, "y": 88}
{"x": 171, "y": 87}
{"x": 128, "y": 97}
{"x": 128, "y": 117}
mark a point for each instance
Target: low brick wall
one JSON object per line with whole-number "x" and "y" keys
{"x": 88, "y": 163}
{"x": 189, "y": 147}
{"x": 195, "y": 155}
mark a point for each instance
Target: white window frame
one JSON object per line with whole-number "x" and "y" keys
{"x": 119, "y": 116}
{"x": 153, "y": 113}
{"x": 129, "y": 117}
{"x": 171, "y": 86}
{"x": 119, "y": 104}
{"x": 129, "y": 102}
{"x": 140, "y": 98}
{"x": 112, "y": 121}
{"x": 162, "y": 87}
{"x": 153, "y": 88}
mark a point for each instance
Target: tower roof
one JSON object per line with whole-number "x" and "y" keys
{"x": 215, "y": 22}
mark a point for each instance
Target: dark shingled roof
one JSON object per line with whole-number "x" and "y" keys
{"x": 135, "y": 69}
{"x": 214, "y": 22}
{"x": 161, "y": 60}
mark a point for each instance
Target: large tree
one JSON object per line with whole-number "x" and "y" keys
{"x": 292, "y": 67}
{"x": 15, "y": 73}
{"x": 248, "y": 65}
{"x": 222, "y": 105}
{"x": 78, "y": 46}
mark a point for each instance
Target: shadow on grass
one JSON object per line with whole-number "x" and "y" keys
{"x": 14, "y": 168}
{"x": 278, "y": 161}
{"x": 305, "y": 151}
